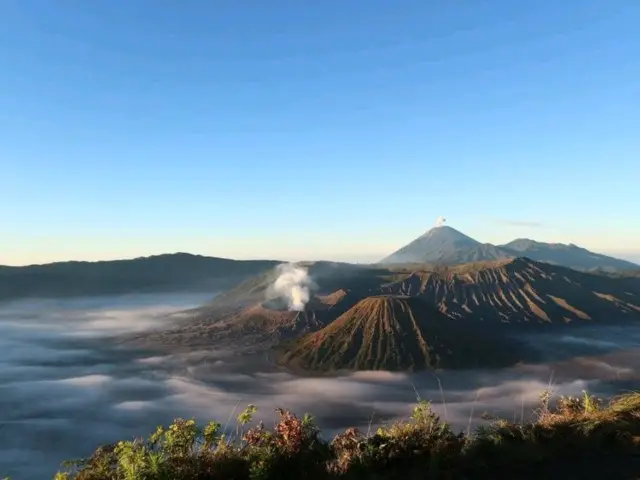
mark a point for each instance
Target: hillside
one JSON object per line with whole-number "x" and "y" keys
{"x": 397, "y": 333}
{"x": 522, "y": 291}
{"x": 486, "y": 298}
{"x": 329, "y": 277}
{"x": 259, "y": 325}
{"x": 161, "y": 273}
{"x": 567, "y": 255}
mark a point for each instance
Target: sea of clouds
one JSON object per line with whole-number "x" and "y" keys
{"x": 66, "y": 386}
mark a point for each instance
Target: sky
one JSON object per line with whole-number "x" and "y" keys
{"x": 306, "y": 130}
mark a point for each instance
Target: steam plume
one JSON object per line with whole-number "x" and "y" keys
{"x": 440, "y": 221}
{"x": 293, "y": 284}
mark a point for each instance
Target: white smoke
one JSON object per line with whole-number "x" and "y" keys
{"x": 440, "y": 221}
{"x": 293, "y": 284}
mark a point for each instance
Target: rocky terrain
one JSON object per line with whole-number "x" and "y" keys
{"x": 389, "y": 332}
{"x": 521, "y": 290}
{"x": 409, "y": 316}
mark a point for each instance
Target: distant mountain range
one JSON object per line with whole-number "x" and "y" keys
{"x": 160, "y": 273}
{"x": 407, "y": 316}
{"x": 177, "y": 272}
{"x": 444, "y": 300}
{"x": 445, "y": 245}
{"x": 569, "y": 255}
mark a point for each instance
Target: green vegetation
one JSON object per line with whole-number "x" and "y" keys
{"x": 573, "y": 438}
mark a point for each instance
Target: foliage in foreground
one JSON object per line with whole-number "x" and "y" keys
{"x": 575, "y": 438}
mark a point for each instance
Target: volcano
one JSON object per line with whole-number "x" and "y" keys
{"x": 409, "y": 316}
{"x": 389, "y": 332}
{"x": 252, "y": 325}
{"x": 445, "y": 245}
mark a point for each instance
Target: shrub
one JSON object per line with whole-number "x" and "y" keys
{"x": 578, "y": 437}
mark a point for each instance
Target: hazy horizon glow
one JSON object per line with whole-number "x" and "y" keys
{"x": 330, "y": 130}
{"x": 285, "y": 249}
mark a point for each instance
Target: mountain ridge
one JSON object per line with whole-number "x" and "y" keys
{"x": 569, "y": 255}
{"x": 182, "y": 272}
{"x": 486, "y": 300}
{"x": 395, "y": 332}
{"x": 445, "y": 245}
{"x": 153, "y": 274}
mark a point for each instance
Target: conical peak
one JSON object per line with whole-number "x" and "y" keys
{"x": 443, "y": 229}
{"x": 440, "y": 244}
{"x": 439, "y": 223}
{"x": 447, "y": 235}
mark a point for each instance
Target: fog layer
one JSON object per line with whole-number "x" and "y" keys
{"x": 66, "y": 387}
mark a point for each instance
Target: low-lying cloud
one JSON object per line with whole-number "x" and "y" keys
{"x": 60, "y": 378}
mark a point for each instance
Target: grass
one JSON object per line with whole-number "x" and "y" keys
{"x": 571, "y": 438}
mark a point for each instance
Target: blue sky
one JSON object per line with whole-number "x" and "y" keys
{"x": 336, "y": 129}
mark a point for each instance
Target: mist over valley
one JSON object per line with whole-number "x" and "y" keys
{"x": 351, "y": 344}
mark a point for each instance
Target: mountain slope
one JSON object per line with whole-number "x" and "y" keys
{"x": 522, "y": 291}
{"x": 486, "y": 298}
{"x": 161, "y": 273}
{"x": 396, "y": 333}
{"x": 445, "y": 245}
{"x": 254, "y": 326}
{"x": 329, "y": 277}
{"x": 568, "y": 255}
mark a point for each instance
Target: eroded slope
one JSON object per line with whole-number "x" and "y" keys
{"x": 389, "y": 332}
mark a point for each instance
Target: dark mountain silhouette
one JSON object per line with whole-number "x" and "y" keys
{"x": 397, "y": 333}
{"x": 161, "y": 273}
{"x": 568, "y": 255}
{"x": 447, "y": 246}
